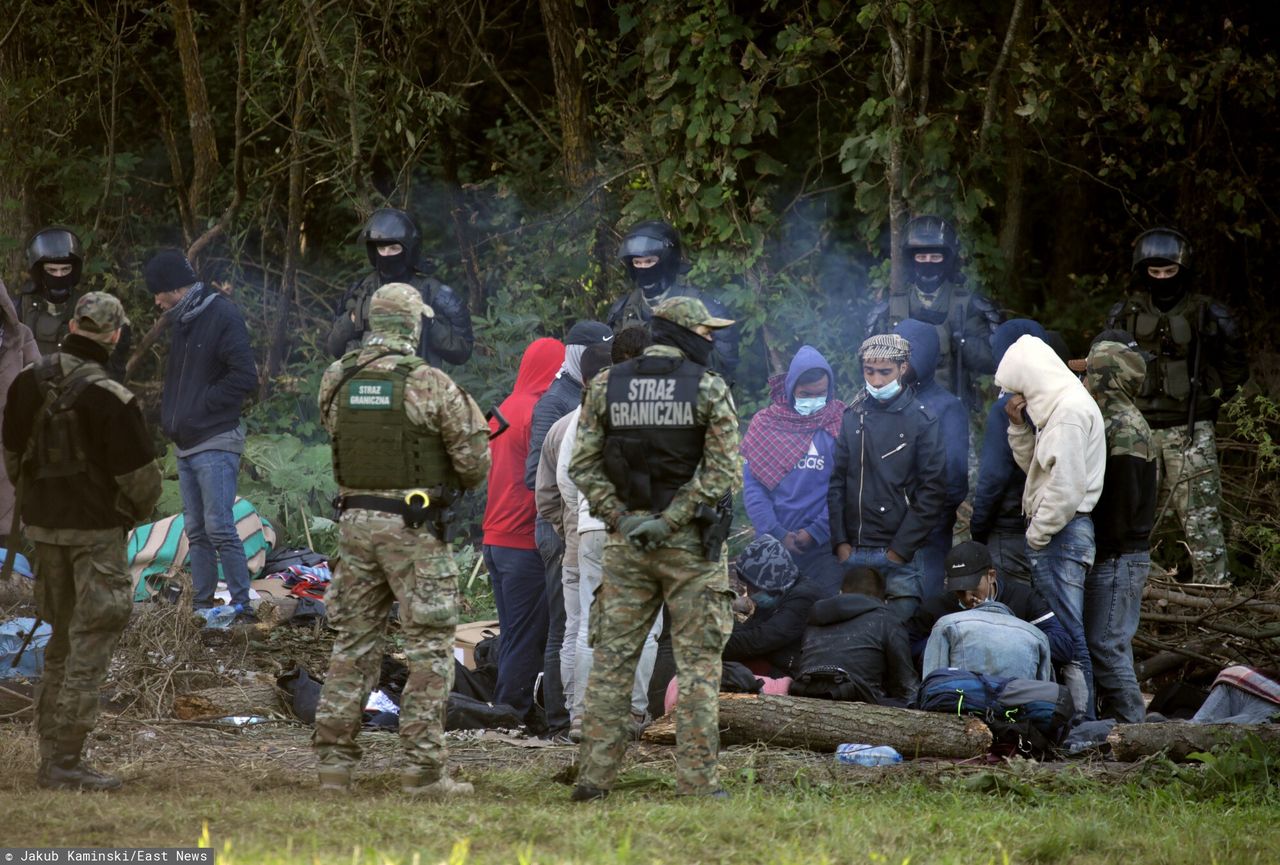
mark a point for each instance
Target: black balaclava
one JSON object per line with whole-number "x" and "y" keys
{"x": 1165, "y": 293}
{"x": 57, "y": 289}
{"x": 391, "y": 268}
{"x": 697, "y": 348}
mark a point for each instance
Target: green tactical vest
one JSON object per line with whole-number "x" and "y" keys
{"x": 375, "y": 447}
{"x": 61, "y": 450}
{"x": 1171, "y": 340}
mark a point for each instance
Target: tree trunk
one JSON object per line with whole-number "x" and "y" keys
{"x": 250, "y": 698}
{"x": 204, "y": 145}
{"x": 1130, "y": 742}
{"x": 15, "y": 179}
{"x": 1010, "y": 239}
{"x": 821, "y": 725}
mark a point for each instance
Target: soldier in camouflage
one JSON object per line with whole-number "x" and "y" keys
{"x": 406, "y": 440}
{"x": 77, "y": 446}
{"x": 1122, "y": 521}
{"x": 657, "y": 450}
{"x": 1197, "y": 363}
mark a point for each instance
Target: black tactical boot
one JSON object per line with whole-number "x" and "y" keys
{"x": 69, "y": 772}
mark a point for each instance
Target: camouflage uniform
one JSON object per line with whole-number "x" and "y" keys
{"x": 383, "y": 560}
{"x": 79, "y": 496}
{"x": 1190, "y": 483}
{"x": 636, "y": 583}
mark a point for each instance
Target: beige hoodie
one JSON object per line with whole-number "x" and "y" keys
{"x": 1065, "y": 457}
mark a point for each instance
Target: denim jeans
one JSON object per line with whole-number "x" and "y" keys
{"x": 1009, "y": 555}
{"x": 207, "y": 481}
{"x": 1112, "y": 605}
{"x": 520, "y": 593}
{"x": 1058, "y": 574}
{"x": 903, "y": 584}
{"x": 551, "y": 548}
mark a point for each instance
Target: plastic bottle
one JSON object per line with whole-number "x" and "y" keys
{"x": 218, "y": 618}
{"x": 867, "y": 755}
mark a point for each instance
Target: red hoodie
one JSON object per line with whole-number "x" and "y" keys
{"x": 509, "y": 511}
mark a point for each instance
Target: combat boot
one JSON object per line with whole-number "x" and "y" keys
{"x": 69, "y": 772}
{"x": 442, "y": 788}
{"x": 335, "y": 779}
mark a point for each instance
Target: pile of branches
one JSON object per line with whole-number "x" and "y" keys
{"x": 1199, "y": 629}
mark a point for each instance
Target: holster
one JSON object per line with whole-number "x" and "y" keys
{"x": 713, "y": 526}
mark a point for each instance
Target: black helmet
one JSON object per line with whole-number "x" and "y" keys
{"x": 386, "y": 226}
{"x": 1161, "y": 245}
{"x": 653, "y": 237}
{"x": 54, "y": 245}
{"x": 930, "y": 234}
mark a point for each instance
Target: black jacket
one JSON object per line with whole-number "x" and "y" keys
{"x": 1126, "y": 511}
{"x": 447, "y": 336}
{"x": 861, "y": 636}
{"x": 125, "y": 482}
{"x": 724, "y": 360}
{"x": 210, "y": 371}
{"x": 775, "y": 634}
{"x": 562, "y": 397}
{"x": 889, "y": 486}
{"x": 1020, "y": 598}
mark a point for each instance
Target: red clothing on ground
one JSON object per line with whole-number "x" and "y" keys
{"x": 509, "y": 511}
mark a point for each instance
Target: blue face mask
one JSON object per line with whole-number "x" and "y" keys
{"x": 807, "y": 405}
{"x": 887, "y": 392}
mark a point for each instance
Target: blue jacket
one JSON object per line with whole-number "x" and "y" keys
{"x": 953, "y": 418}
{"x": 799, "y": 501}
{"x": 989, "y": 639}
{"x": 997, "y": 502}
{"x": 210, "y": 370}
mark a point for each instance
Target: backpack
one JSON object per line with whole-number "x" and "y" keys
{"x": 1047, "y": 706}
{"x": 958, "y": 692}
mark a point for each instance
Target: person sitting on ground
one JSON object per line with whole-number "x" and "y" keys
{"x": 973, "y": 579}
{"x": 789, "y": 452}
{"x": 855, "y": 648}
{"x": 988, "y": 639}
{"x": 769, "y": 640}
{"x": 1242, "y": 695}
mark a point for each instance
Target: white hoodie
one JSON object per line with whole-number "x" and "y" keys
{"x": 1065, "y": 457}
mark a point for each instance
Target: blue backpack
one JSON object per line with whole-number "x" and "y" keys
{"x": 1007, "y": 705}
{"x": 959, "y": 692}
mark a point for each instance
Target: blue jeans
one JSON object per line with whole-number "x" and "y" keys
{"x": 1058, "y": 574}
{"x": 903, "y": 584}
{"x": 519, "y": 591}
{"x": 1112, "y": 605}
{"x": 208, "y": 484}
{"x": 1009, "y": 555}
{"x": 551, "y": 548}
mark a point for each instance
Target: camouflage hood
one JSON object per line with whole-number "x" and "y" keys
{"x": 1114, "y": 376}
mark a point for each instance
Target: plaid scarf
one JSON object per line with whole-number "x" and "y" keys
{"x": 778, "y": 437}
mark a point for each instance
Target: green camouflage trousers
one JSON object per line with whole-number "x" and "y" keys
{"x": 86, "y": 594}
{"x": 1190, "y": 490}
{"x": 634, "y": 588}
{"x": 381, "y": 561}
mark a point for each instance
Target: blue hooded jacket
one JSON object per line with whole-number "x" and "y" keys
{"x": 799, "y": 501}
{"x": 953, "y": 419}
{"x": 997, "y": 503}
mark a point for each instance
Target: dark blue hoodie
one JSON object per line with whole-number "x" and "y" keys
{"x": 799, "y": 501}
{"x": 953, "y": 419}
{"x": 997, "y": 503}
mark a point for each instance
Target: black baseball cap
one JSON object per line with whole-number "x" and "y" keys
{"x": 966, "y": 565}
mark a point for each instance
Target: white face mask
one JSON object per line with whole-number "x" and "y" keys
{"x": 807, "y": 405}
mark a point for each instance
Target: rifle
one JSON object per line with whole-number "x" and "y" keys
{"x": 26, "y": 641}
{"x": 1196, "y": 351}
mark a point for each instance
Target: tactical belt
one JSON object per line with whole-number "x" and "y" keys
{"x": 430, "y": 513}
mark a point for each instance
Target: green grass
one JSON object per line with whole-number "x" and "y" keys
{"x": 261, "y": 806}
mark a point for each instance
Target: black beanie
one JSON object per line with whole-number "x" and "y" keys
{"x": 168, "y": 270}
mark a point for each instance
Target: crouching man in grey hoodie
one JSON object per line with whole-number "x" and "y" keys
{"x": 1058, "y": 438}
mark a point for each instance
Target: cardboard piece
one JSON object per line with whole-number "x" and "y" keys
{"x": 467, "y": 635}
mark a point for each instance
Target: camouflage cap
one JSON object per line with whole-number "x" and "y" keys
{"x": 397, "y": 298}
{"x": 689, "y": 312}
{"x": 98, "y": 316}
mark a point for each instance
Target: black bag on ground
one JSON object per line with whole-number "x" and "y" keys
{"x": 467, "y": 713}
{"x": 472, "y": 683}
{"x": 304, "y": 693}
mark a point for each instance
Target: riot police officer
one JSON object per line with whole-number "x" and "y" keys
{"x": 652, "y": 257}
{"x": 1197, "y": 363}
{"x": 394, "y": 243}
{"x": 55, "y": 262}
{"x": 935, "y": 294}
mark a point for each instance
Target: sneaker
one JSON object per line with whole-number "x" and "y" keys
{"x": 575, "y": 730}
{"x": 639, "y": 721}
{"x": 562, "y": 738}
{"x": 335, "y": 779}
{"x": 72, "y": 773}
{"x": 442, "y": 788}
{"x": 587, "y": 793}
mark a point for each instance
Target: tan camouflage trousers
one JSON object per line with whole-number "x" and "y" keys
{"x": 697, "y": 596}
{"x": 381, "y": 561}
{"x": 1190, "y": 492}
{"x": 86, "y": 594}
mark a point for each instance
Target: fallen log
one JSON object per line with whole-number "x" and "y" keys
{"x": 1130, "y": 742}
{"x": 248, "y": 698}
{"x": 821, "y": 725}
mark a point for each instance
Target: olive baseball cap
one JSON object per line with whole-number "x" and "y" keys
{"x": 689, "y": 312}
{"x": 98, "y": 315}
